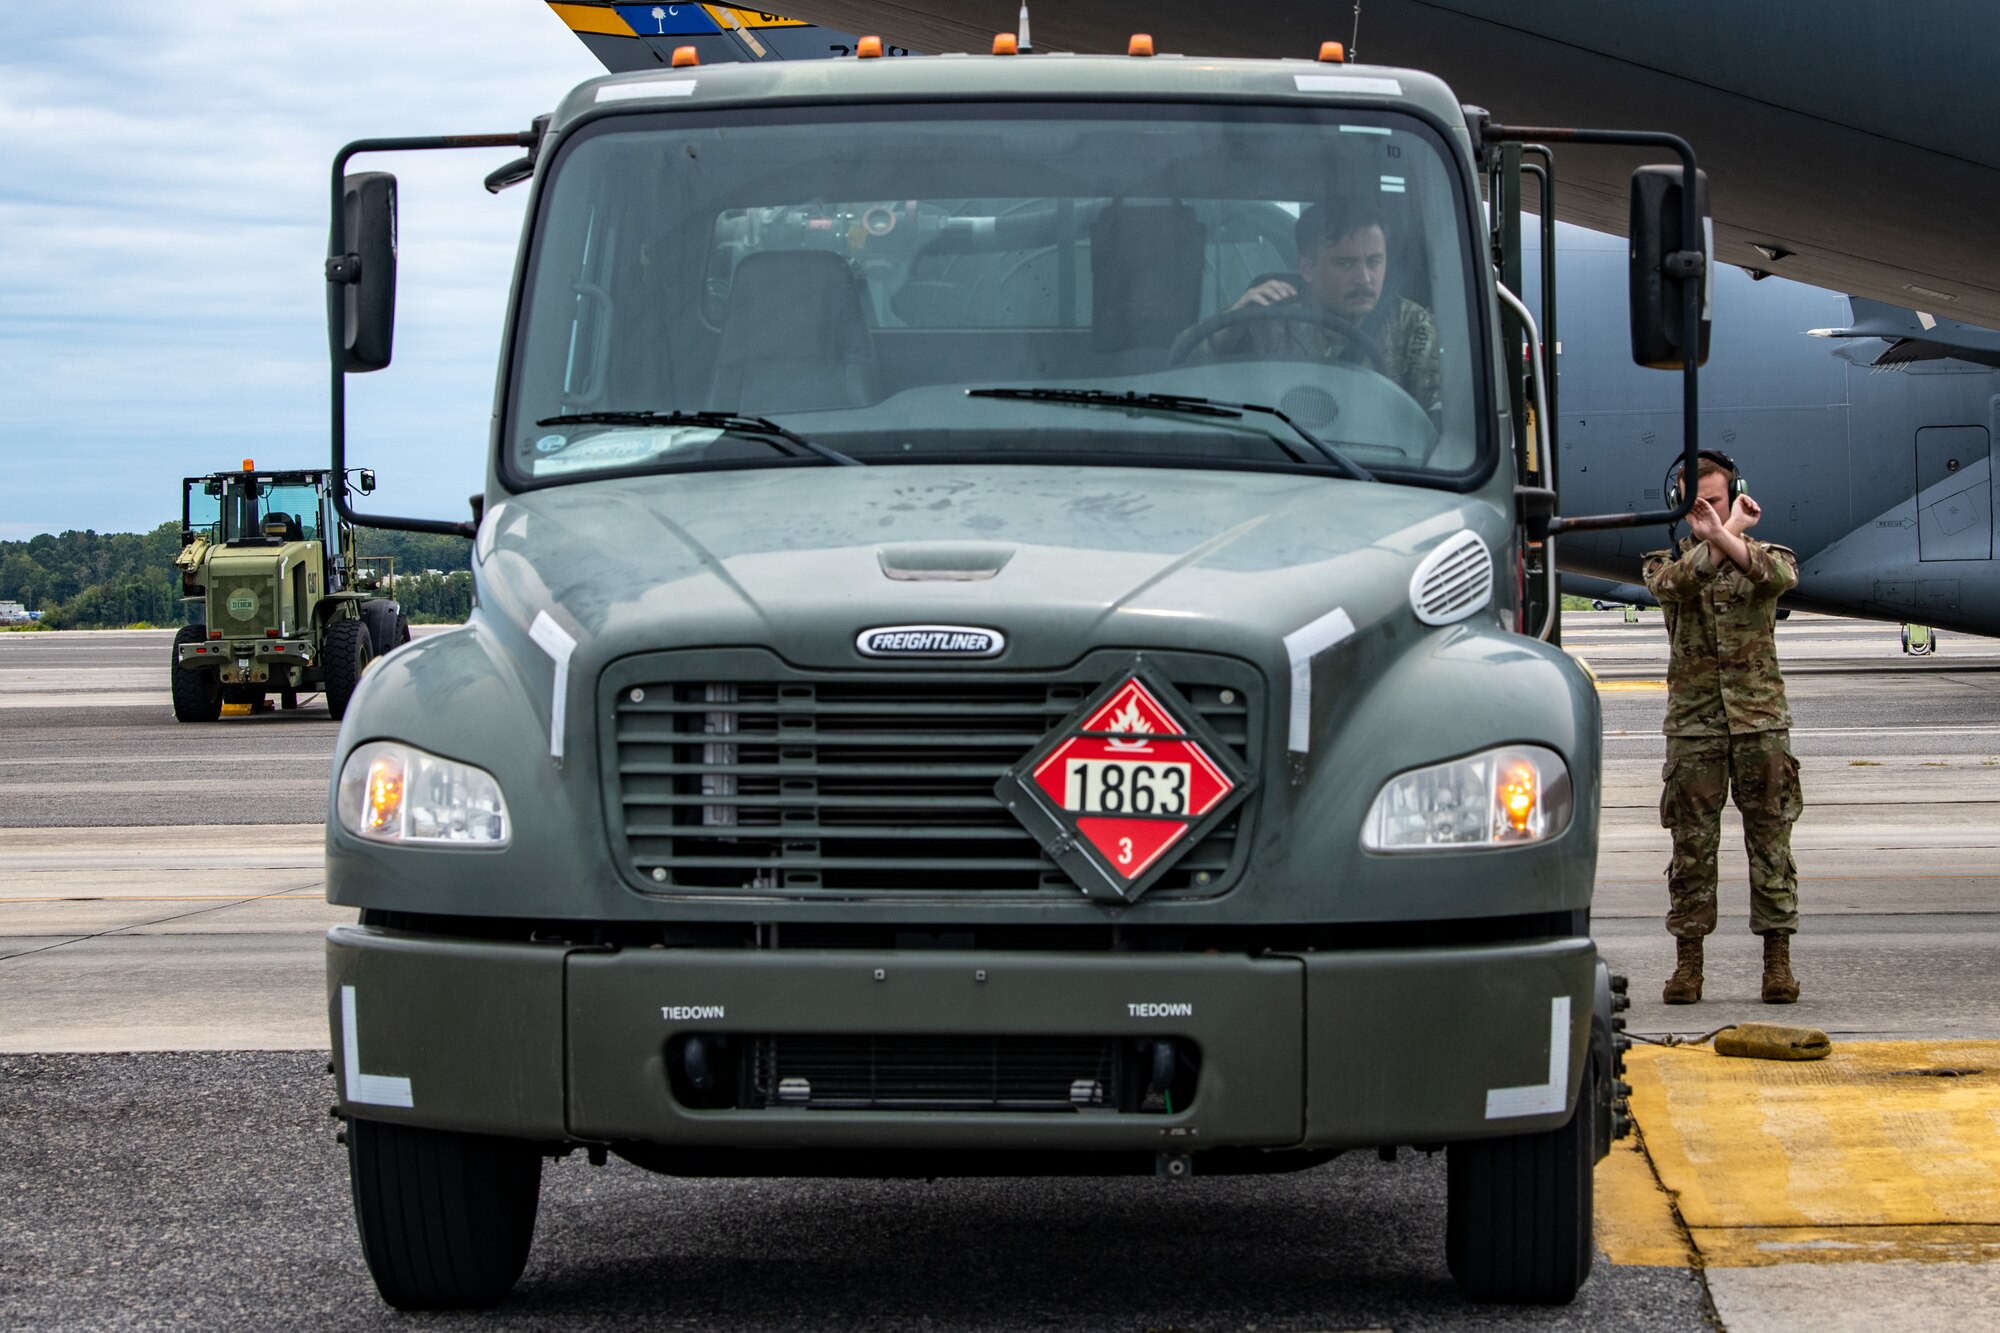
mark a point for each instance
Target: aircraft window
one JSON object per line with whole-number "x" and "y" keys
{"x": 852, "y": 278}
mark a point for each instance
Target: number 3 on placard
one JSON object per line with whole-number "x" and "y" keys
{"x": 1124, "y": 851}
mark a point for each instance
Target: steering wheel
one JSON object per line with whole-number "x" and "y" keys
{"x": 1290, "y": 311}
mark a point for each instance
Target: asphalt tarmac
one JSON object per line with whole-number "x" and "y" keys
{"x": 158, "y": 918}
{"x": 205, "y": 1191}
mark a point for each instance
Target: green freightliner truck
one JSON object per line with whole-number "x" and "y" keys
{"x": 950, "y": 691}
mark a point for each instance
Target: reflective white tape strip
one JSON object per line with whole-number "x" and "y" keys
{"x": 1344, "y": 83}
{"x": 365, "y": 1089}
{"x": 1505, "y": 1103}
{"x": 626, "y": 92}
{"x": 1302, "y": 645}
{"x": 558, "y": 644}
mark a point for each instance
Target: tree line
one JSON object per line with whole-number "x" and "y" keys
{"x": 91, "y": 580}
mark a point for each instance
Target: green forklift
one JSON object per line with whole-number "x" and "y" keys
{"x": 282, "y": 604}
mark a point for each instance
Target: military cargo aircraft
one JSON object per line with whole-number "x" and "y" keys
{"x": 1882, "y": 482}
{"x": 1872, "y": 458}
{"x": 1848, "y": 143}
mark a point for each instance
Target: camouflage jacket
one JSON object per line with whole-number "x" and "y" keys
{"x": 1723, "y": 677}
{"x": 1407, "y": 336}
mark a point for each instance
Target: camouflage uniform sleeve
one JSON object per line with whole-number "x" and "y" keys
{"x": 1423, "y": 362}
{"x": 1773, "y": 570}
{"x": 1672, "y": 578}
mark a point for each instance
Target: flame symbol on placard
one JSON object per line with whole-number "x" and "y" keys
{"x": 1129, "y": 719}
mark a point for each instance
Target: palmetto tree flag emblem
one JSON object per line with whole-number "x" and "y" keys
{"x": 1125, "y": 786}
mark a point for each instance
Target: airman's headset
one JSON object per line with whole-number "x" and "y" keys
{"x": 1737, "y": 486}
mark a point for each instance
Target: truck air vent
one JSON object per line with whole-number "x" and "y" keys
{"x": 938, "y": 1073}
{"x": 774, "y": 783}
{"x": 1452, "y": 581}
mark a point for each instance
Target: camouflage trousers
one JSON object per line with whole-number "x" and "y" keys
{"x": 1701, "y": 772}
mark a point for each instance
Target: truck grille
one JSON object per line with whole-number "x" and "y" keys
{"x": 865, "y": 786}
{"x": 242, "y": 606}
{"x": 908, "y": 1073}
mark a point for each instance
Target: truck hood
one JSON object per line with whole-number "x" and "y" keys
{"x": 1060, "y": 561}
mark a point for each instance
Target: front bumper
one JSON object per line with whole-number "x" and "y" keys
{"x": 1317, "y": 1050}
{"x": 248, "y": 661}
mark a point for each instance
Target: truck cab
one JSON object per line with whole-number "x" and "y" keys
{"x": 957, "y": 684}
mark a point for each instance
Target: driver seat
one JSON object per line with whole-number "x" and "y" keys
{"x": 795, "y": 336}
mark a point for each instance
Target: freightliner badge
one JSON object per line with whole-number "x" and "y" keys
{"x": 1125, "y": 787}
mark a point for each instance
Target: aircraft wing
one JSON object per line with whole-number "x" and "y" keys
{"x": 1915, "y": 335}
{"x": 1849, "y": 143}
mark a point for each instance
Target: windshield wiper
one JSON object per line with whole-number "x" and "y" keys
{"x": 1187, "y": 405}
{"x": 733, "y": 422}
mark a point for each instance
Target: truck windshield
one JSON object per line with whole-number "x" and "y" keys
{"x": 862, "y": 275}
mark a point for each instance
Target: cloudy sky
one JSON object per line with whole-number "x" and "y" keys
{"x": 163, "y": 222}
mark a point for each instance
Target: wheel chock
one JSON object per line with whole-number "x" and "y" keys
{"x": 1773, "y": 1041}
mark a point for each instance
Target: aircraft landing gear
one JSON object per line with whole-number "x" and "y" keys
{"x": 1919, "y": 640}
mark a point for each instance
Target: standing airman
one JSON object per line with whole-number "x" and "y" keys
{"x": 1728, "y": 726}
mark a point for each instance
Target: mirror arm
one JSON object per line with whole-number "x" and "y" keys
{"x": 344, "y": 267}
{"x": 1690, "y": 283}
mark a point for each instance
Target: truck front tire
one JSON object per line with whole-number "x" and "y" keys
{"x": 1518, "y": 1210}
{"x": 347, "y": 654}
{"x": 197, "y": 694}
{"x": 445, "y": 1219}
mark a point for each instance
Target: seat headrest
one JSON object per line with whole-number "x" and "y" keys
{"x": 1145, "y": 269}
{"x": 814, "y": 286}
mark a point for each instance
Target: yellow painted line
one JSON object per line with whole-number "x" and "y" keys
{"x": 1631, "y": 687}
{"x": 593, "y": 18}
{"x": 1761, "y": 1247}
{"x": 1635, "y": 1217}
{"x": 1764, "y": 1158}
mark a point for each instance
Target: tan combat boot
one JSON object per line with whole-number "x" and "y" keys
{"x": 1684, "y": 986}
{"x": 1780, "y": 986}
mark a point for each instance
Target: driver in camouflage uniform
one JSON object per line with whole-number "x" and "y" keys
{"x": 1728, "y": 728}
{"x": 1343, "y": 260}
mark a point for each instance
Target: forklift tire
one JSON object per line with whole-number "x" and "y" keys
{"x": 445, "y": 1218}
{"x": 290, "y": 700}
{"x": 197, "y": 694}
{"x": 347, "y": 653}
{"x": 402, "y": 629}
{"x": 1518, "y": 1210}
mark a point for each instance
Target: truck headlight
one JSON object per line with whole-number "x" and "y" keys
{"x": 398, "y": 793}
{"x": 1502, "y": 798}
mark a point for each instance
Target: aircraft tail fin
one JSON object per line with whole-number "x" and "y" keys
{"x": 628, "y": 37}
